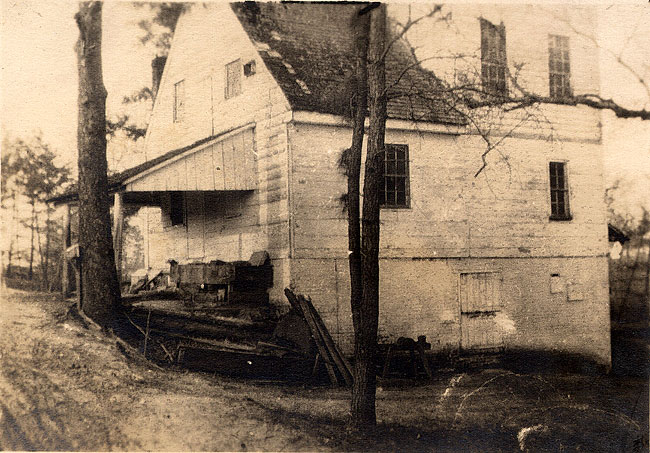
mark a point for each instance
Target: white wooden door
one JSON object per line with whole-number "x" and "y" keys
{"x": 480, "y": 302}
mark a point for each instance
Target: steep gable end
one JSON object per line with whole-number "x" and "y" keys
{"x": 308, "y": 47}
{"x": 210, "y": 47}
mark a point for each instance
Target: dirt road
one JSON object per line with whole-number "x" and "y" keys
{"x": 65, "y": 387}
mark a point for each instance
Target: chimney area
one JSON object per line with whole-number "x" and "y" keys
{"x": 157, "y": 67}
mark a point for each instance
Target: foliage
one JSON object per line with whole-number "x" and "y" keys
{"x": 30, "y": 175}
{"x": 159, "y": 30}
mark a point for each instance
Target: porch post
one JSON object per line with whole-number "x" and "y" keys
{"x": 66, "y": 267}
{"x": 118, "y": 224}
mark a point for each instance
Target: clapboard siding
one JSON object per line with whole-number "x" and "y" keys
{"x": 502, "y": 212}
{"x": 237, "y": 188}
{"x": 422, "y": 297}
{"x": 199, "y": 57}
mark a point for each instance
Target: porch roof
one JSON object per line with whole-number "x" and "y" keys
{"x": 116, "y": 181}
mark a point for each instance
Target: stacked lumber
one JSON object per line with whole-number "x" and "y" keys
{"x": 338, "y": 368}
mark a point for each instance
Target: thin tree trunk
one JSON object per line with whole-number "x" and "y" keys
{"x": 100, "y": 294}
{"x": 363, "y": 393}
{"x": 41, "y": 255}
{"x": 360, "y": 24}
{"x": 46, "y": 268}
{"x": 30, "y": 275}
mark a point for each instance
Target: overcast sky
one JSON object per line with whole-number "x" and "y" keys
{"x": 38, "y": 85}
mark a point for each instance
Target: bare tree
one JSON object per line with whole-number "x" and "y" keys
{"x": 100, "y": 288}
{"x": 470, "y": 100}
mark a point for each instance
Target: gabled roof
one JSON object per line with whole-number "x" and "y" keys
{"x": 308, "y": 48}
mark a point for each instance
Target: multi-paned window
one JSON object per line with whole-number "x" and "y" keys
{"x": 394, "y": 184}
{"x": 176, "y": 209}
{"x": 179, "y": 101}
{"x": 493, "y": 58}
{"x": 233, "y": 79}
{"x": 559, "y": 67}
{"x": 559, "y": 191}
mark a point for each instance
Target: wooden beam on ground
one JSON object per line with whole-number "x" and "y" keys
{"x": 300, "y": 305}
{"x": 341, "y": 362}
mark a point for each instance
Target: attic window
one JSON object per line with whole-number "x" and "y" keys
{"x": 233, "y": 79}
{"x": 249, "y": 68}
{"x": 179, "y": 101}
{"x": 559, "y": 67}
{"x": 493, "y": 58}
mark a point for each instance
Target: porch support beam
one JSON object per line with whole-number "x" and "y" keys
{"x": 66, "y": 266}
{"x": 118, "y": 226}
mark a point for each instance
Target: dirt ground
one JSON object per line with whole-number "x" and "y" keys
{"x": 66, "y": 387}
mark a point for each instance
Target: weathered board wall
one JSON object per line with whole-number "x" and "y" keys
{"x": 227, "y": 164}
{"x": 456, "y": 223}
{"x": 223, "y": 225}
{"x": 207, "y": 38}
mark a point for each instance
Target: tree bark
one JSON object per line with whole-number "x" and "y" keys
{"x": 100, "y": 293}
{"x": 363, "y": 393}
{"x": 360, "y": 24}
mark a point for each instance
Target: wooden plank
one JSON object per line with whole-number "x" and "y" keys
{"x": 228, "y": 164}
{"x": 322, "y": 350}
{"x": 67, "y": 270}
{"x": 339, "y": 359}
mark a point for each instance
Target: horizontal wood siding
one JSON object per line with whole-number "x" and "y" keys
{"x": 199, "y": 56}
{"x": 504, "y": 212}
{"x": 422, "y": 297}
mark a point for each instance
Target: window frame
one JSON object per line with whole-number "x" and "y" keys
{"x": 179, "y": 101}
{"x": 406, "y": 175}
{"x": 559, "y": 67}
{"x": 494, "y": 58}
{"x": 554, "y": 188}
{"x": 228, "y": 90}
{"x": 177, "y": 209}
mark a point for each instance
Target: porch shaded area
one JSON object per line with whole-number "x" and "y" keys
{"x": 218, "y": 165}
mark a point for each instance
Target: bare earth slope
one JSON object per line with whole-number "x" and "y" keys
{"x": 66, "y": 387}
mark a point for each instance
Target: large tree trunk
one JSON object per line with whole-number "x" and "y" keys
{"x": 360, "y": 24}
{"x": 363, "y": 393}
{"x": 100, "y": 295}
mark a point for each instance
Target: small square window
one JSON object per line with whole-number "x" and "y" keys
{"x": 394, "y": 184}
{"x": 233, "y": 79}
{"x": 559, "y": 191}
{"x": 249, "y": 68}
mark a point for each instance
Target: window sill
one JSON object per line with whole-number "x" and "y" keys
{"x": 560, "y": 219}
{"x": 397, "y": 208}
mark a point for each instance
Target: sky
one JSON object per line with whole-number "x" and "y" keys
{"x": 38, "y": 81}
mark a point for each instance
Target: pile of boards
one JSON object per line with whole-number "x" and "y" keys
{"x": 338, "y": 368}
